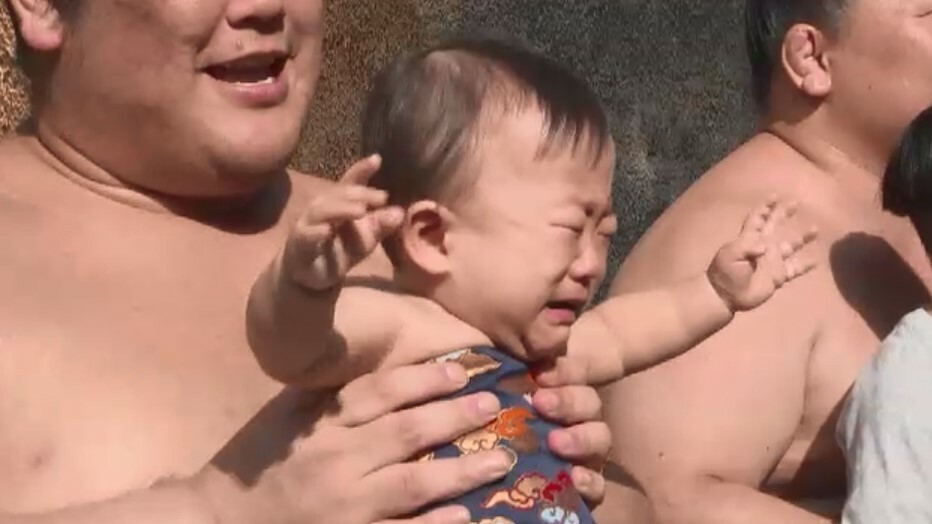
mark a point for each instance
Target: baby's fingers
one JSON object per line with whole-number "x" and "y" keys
{"x": 386, "y": 221}
{"x": 798, "y": 266}
{"x": 749, "y": 246}
{"x": 783, "y": 210}
{"x": 343, "y": 204}
{"x": 360, "y": 172}
{"x": 797, "y": 243}
{"x": 758, "y": 218}
{"x": 364, "y": 235}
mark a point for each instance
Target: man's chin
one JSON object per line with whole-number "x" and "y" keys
{"x": 251, "y": 166}
{"x": 250, "y": 148}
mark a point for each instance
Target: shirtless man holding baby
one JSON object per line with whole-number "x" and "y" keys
{"x": 134, "y": 217}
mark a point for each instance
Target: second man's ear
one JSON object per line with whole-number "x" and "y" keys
{"x": 805, "y": 61}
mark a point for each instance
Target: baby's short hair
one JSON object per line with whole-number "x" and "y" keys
{"x": 425, "y": 112}
{"x": 907, "y": 182}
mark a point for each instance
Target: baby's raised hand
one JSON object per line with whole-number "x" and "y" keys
{"x": 748, "y": 270}
{"x": 341, "y": 226}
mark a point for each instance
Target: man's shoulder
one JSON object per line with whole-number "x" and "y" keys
{"x": 711, "y": 212}
{"x": 18, "y": 161}
{"x": 25, "y": 194}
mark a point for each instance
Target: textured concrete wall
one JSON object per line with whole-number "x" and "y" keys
{"x": 13, "y": 103}
{"x": 671, "y": 72}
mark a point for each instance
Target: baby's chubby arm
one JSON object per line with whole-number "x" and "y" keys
{"x": 304, "y": 326}
{"x": 628, "y": 333}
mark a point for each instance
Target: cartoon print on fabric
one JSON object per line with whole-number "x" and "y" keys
{"x": 538, "y": 488}
{"x": 557, "y": 498}
{"x": 510, "y": 427}
{"x": 475, "y": 363}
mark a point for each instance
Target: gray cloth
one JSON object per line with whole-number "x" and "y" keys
{"x": 885, "y": 430}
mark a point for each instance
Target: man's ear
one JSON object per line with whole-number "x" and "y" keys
{"x": 40, "y": 24}
{"x": 423, "y": 236}
{"x": 805, "y": 61}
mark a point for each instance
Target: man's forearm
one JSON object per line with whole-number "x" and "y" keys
{"x": 724, "y": 503}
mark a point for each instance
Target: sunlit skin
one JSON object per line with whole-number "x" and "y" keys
{"x": 753, "y": 433}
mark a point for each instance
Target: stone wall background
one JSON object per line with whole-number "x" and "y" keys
{"x": 672, "y": 74}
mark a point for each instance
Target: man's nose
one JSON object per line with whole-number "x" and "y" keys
{"x": 265, "y": 16}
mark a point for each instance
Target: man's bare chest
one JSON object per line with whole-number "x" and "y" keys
{"x": 813, "y": 467}
{"x": 875, "y": 285}
{"x": 122, "y": 361}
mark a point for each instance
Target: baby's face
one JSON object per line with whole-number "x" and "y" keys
{"x": 529, "y": 246}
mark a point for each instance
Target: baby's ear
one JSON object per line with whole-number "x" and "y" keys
{"x": 423, "y": 237}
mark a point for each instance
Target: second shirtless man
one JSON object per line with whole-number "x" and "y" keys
{"x": 752, "y": 439}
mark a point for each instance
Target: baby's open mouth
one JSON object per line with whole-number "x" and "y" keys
{"x": 565, "y": 310}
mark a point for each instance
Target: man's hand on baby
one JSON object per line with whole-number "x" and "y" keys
{"x": 765, "y": 256}
{"x": 340, "y": 227}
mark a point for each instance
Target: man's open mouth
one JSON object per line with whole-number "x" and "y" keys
{"x": 254, "y": 69}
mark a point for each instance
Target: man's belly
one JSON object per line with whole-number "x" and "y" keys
{"x": 812, "y": 469}
{"x": 811, "y": 474}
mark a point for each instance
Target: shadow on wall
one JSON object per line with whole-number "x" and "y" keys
{"x": 362, "y": 35}
{"x": 672, "y": 75}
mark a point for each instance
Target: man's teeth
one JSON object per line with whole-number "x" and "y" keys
{"x": 268, "y": 80}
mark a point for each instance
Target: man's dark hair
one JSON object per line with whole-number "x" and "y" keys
{"x": 907, "y": 183}
{"x": 766, "y": 25}
{"x": 426, "y": 109}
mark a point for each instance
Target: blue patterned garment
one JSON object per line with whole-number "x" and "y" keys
{"x": 539, "y": 488}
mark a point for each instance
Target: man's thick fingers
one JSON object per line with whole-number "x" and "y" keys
{"x": 427, "y": 482}
{"x": 445, "y": 515}
{"x": 569, "y": 405}
{"x": 590, "y": 484}
{"x": 418, "y": 429}
{"x": 377, "y": 394}
{"x": 362, "y": 170}
{"x": 587, "y": 443}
